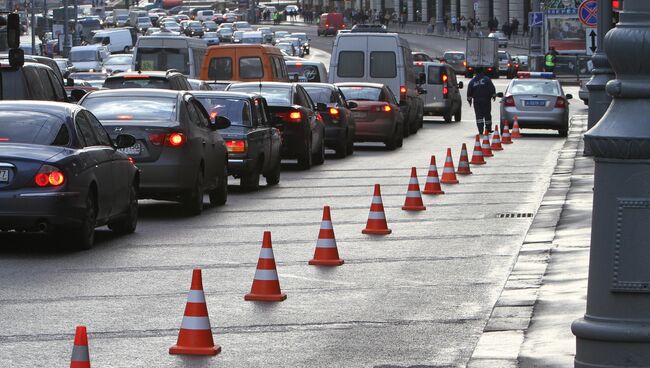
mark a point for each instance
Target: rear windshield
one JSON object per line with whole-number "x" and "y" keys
{"x": 84, "y": 55}
{"x": 231, "y": 108}
{"x": 88, "y": 76}
{"x": 163, "y": 59}
{"x": 456, "y": 56}
{"x": 33, "y": 128}
{"x": 118, "y": 59}
{"x": 540, "y": 87}
{"x": 435, "y": 75}
{"x": 137, "y": 82}
{"x": 320, "y": 94}
{"x": 250, "y": 67}
{"x": 275, "y": 94}
{"x": 350, "y": 64}
{"x": 383, "y": 64}
{"x": 306, "y": 73}
{"x": 220, "y": 68}
{"x": 131, "y": 108}
{"x": 361, "y": 93}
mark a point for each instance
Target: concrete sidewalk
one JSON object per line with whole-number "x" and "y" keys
{"x": 530, "y": 325}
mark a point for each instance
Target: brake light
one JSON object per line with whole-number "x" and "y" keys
{"x": 327, "y": 25}
{"x": 560, "y": 103}
{"x": 124, "y": 117}
{"x": 445, "y": 91}
{"x": 490, "y": 69}
{"x": 236, "y": 146}
{"x": 131, "y": 160}
{"x": 402, "y": 89}
{"x": 213, "y": 115}
{"x": 387, "y": 108}
{"x": 136, "y": 77}
{"x": 4, "y": 139}
{"x": 445, "y": 78}
{"x": 295, "y": 115}
{"x": 334, "y": 111}
{"x": 168, "y": 140}
{"x": 418, "y": 63}
{"x": 49, "y": 175}
{"x": 509, "y": 101}
{"x": 176, "y": 139}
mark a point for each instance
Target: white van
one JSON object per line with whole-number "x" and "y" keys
{"x": 116, "y": 40}
{"x": 161, "y": 52}
{"x": 203, "y": 15}
{"x": 379, "y": 58}
{"x": 88, "y": 58}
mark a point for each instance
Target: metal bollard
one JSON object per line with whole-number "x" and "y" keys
{"x": 615, "y": 330}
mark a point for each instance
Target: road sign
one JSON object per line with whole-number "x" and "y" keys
{"x": 535, "y": 19}
{"x": 475, "y": 6}
{"x": 592, "y": 35}
{"x": 588, "y": 13}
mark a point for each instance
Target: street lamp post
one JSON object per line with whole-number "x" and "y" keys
{"x": 599, "y": 100}
{"x": 536, "y": 53}
{"x": 440, "y": 21}
{"x": 615, "y": 330}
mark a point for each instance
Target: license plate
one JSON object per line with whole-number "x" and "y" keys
{"x": 359, "y": 115}
{"x": 136, "y": 149}
{"x": 4, "y": 175}
{"x": 534, "y": 103}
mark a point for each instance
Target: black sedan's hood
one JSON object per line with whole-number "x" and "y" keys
{"x": 29, "y": 152}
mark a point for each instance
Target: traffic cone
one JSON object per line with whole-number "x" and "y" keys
{"x": 326, "y": 253}
{"x": 477, "y": 155}
{"x": 515, "y": 129}
{"x": 496, "y": 140}
{"x": 432, "y": 186}
{"x": 413, "y": 201}
{"x": 376, "y": 224}
{"x": 487, "y": 151}
{"x": 266, "y": 286}
{"x": 448, "y": 171}
{"x": 463, "y": 162}
{"x": 80, "y": 356}
{"x": 195, "y": 336}
{"x": 505, "y": 138}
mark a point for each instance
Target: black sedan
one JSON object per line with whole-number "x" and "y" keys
{"x": 335, "y": 111}
{"x": 193, "y": 28}
{"x": 293, "y": 111}
{"x": 178, "y": 149}
{"x": 252, "y": 141}
{"x": 60, "y": 172}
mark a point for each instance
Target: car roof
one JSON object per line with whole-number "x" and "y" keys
{"x": 141, "y": 92}
{"x": 150, "y": 73}
{"x": 321, "y": 85}
{"x": 59, "y": 109}
{"x": 247, "y": 95}
{"x": 287, "y": 84}
{"x": 87, "y": 47}
{"x": 359, "y": 84}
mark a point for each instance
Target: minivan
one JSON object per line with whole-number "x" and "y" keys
{"x": 161, "y": 52}
{"x": 87, "y": 58}
{"x": 442, "y": 96}
{"x": 330, "y": 23}
{"x": 379, "y": 58}
{"x": 244, "y": 63}
{"x": 116, "y": 40}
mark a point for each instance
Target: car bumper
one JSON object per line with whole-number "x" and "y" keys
{"x": 334, "y": 134}
{"x": 293, "y": 143}
{"x": 165, "y": 178}
{"x": 238, "y": 166}
{"x": 438, "y": 107}
{"x": 555, "y": 119}
{"x": 374, "y": 131}
{"x": 27, "y": 210}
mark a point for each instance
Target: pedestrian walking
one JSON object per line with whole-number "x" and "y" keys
{"x": 480, "y": 91}
{"x": 549, "y": 59}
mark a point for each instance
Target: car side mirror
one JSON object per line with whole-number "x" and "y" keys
{"x": 69, "y": 82}
{"x": 77, "y": 94}
{"x": 500, "y": 94}
{"x": 352, "y": 105}
{"x": 124, "y": 141}
{"x": 220, "y": 122}
{"x": 569, "y": 96}
{"x": 460, "y": 85}
{"x": 321, "y": 106}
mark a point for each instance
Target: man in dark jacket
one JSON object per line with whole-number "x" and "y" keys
{"x": 479, "y": 91}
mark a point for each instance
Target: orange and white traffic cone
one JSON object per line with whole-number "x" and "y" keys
{"x": 413, "y": 201}
{"x": 432, "y": 186}
{"x": 463, "y": 162}
{"x": 477, "y": 155}
{"x": 195, "y": 336}
{"x": 376, "y": 224}
{"x": 448, "y": 171}
{"x": 266, "y": 286}
{"x": 516, "y": 133}
{"x": 80, "y": 355}
{"x": 505, "y": 138}
{"x": 485, "y": 146}
{"x": 496, "y": 140}
{"x": 326, "y": 253}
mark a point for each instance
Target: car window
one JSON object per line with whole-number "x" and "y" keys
{"x": 34, "y": 83}
{"x": 321, "y": 94}
{"x": 246, "y": 114}
{"x": 260, "y": 111}
{"x": 33, "y": 128}
{"x": 535, "y": 87}
{"x": 390, "y": 97}
{"x": 383, "y": 64}
{"x": 220, "y": 68}
{"x": 204, "y": 120}
{"x": 131, "y": 108}
{"x": 59, "y": 92}
{"x": 250, "y": 67}
{"x": 85, "y": 130}
{"x": 137, "y": 82}
{"x": 102, "y": 136}
{"x": 433, "y": 75}
{"x": 362, "y": 93}
{"x": 195, "y": 115}
{"x": 351, "y": 64}
{"x": 275, "y": 95}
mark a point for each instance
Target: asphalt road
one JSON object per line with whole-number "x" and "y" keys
{"x": 420, "y": 296}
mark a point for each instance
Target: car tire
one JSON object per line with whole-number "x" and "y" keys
{"x": 350, "y": 143}
{"x": 400, "y": 140}
{"x": 305, "y": 158}
{"x": 251, "y": 180}
{"x": 319, "y": 158}
{"x": 406, "y": 129}
{"x": 342, "y": 149}
{"x": 273, "y": 177}
{"x": 83, "y": 237}
{"x": 219, "y": 195}
{"x": 128, "y": 223}
{"x": 458, "y": 116}
{"x": 192, "y": 201}
{"x": 447, "y": 117}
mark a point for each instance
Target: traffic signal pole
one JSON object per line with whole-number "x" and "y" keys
{"x": 615, "y": 330}
{"x": 599, "y": 100}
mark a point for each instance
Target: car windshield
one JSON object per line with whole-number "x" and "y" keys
{"x": 320, "y": 94}
{"x": 155, "y": 58}
{"x": 275, "y": 95}
{"x": 454, "y": 56}
{"x": 503, "y": 56}
{"x": 83, "y": 55}
{"x": 232, "y": 108}
{"x": 361, "y": 93}
{"x": 33, "y": 128}
{"x": 534, "y": 87}
{"x": 194, "y": 24}
{"x": 119, "y": 59}
{"x": 129, "y": 108}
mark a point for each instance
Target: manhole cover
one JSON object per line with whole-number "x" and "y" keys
{"x": 514, "y": 215}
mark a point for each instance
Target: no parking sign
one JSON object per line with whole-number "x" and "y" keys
{"x": 588, "y": 13}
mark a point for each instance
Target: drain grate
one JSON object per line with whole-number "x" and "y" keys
{"x": 514, "y": 215}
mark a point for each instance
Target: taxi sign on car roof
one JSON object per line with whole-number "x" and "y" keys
{"x": 543, "y": 75}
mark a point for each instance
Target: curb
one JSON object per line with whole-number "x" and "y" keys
{"x": 503, "y": 335}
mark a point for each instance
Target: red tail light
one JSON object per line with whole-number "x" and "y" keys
{"x": 236, "y": 146}
{"x": 387, "y": 108}
{"x": 402, "y": 89}
{"x": 49, "y": 176}
{"x": 334, "y": 112}
{"x": 176, "y": 139}
{"x": 168, "y": 140}
{"x": 294, "y": 116}
{"x": 509, "y": 101}
{"x": 560, "y": 103}
{"x": 445, "y": 91}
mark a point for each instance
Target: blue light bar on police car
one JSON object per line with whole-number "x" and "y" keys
{"x": 543, "y": 75}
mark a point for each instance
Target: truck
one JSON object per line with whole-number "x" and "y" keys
{"x": 482, "y": 52}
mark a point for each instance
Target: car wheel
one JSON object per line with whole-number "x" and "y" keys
{"x": 447, "y": 117}
{"x": 193, "y": 200}
{"x": 406, "y": 129}
{"x": 83, "y": 237}
{"x": 128, "y": 223}
{"x": 342, "y": 149}
{"x": 459, "y": 115}
{"x": 273, "y": 177}
{"x": 219, "y": 196}
{"x": 350, "y": 143}
{"x": 319, "y": 158}
{"x": 251, "y": 180}
{"x": 400, "y": 139}
{"x": 305, "y": 158}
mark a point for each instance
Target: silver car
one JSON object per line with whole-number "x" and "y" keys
{"x": 456, "y": 59}
{"x": 501, "y": 37}
{"x": 537, "y": 104}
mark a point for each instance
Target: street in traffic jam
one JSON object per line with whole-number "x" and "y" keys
{"x": 324, "y": 184}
